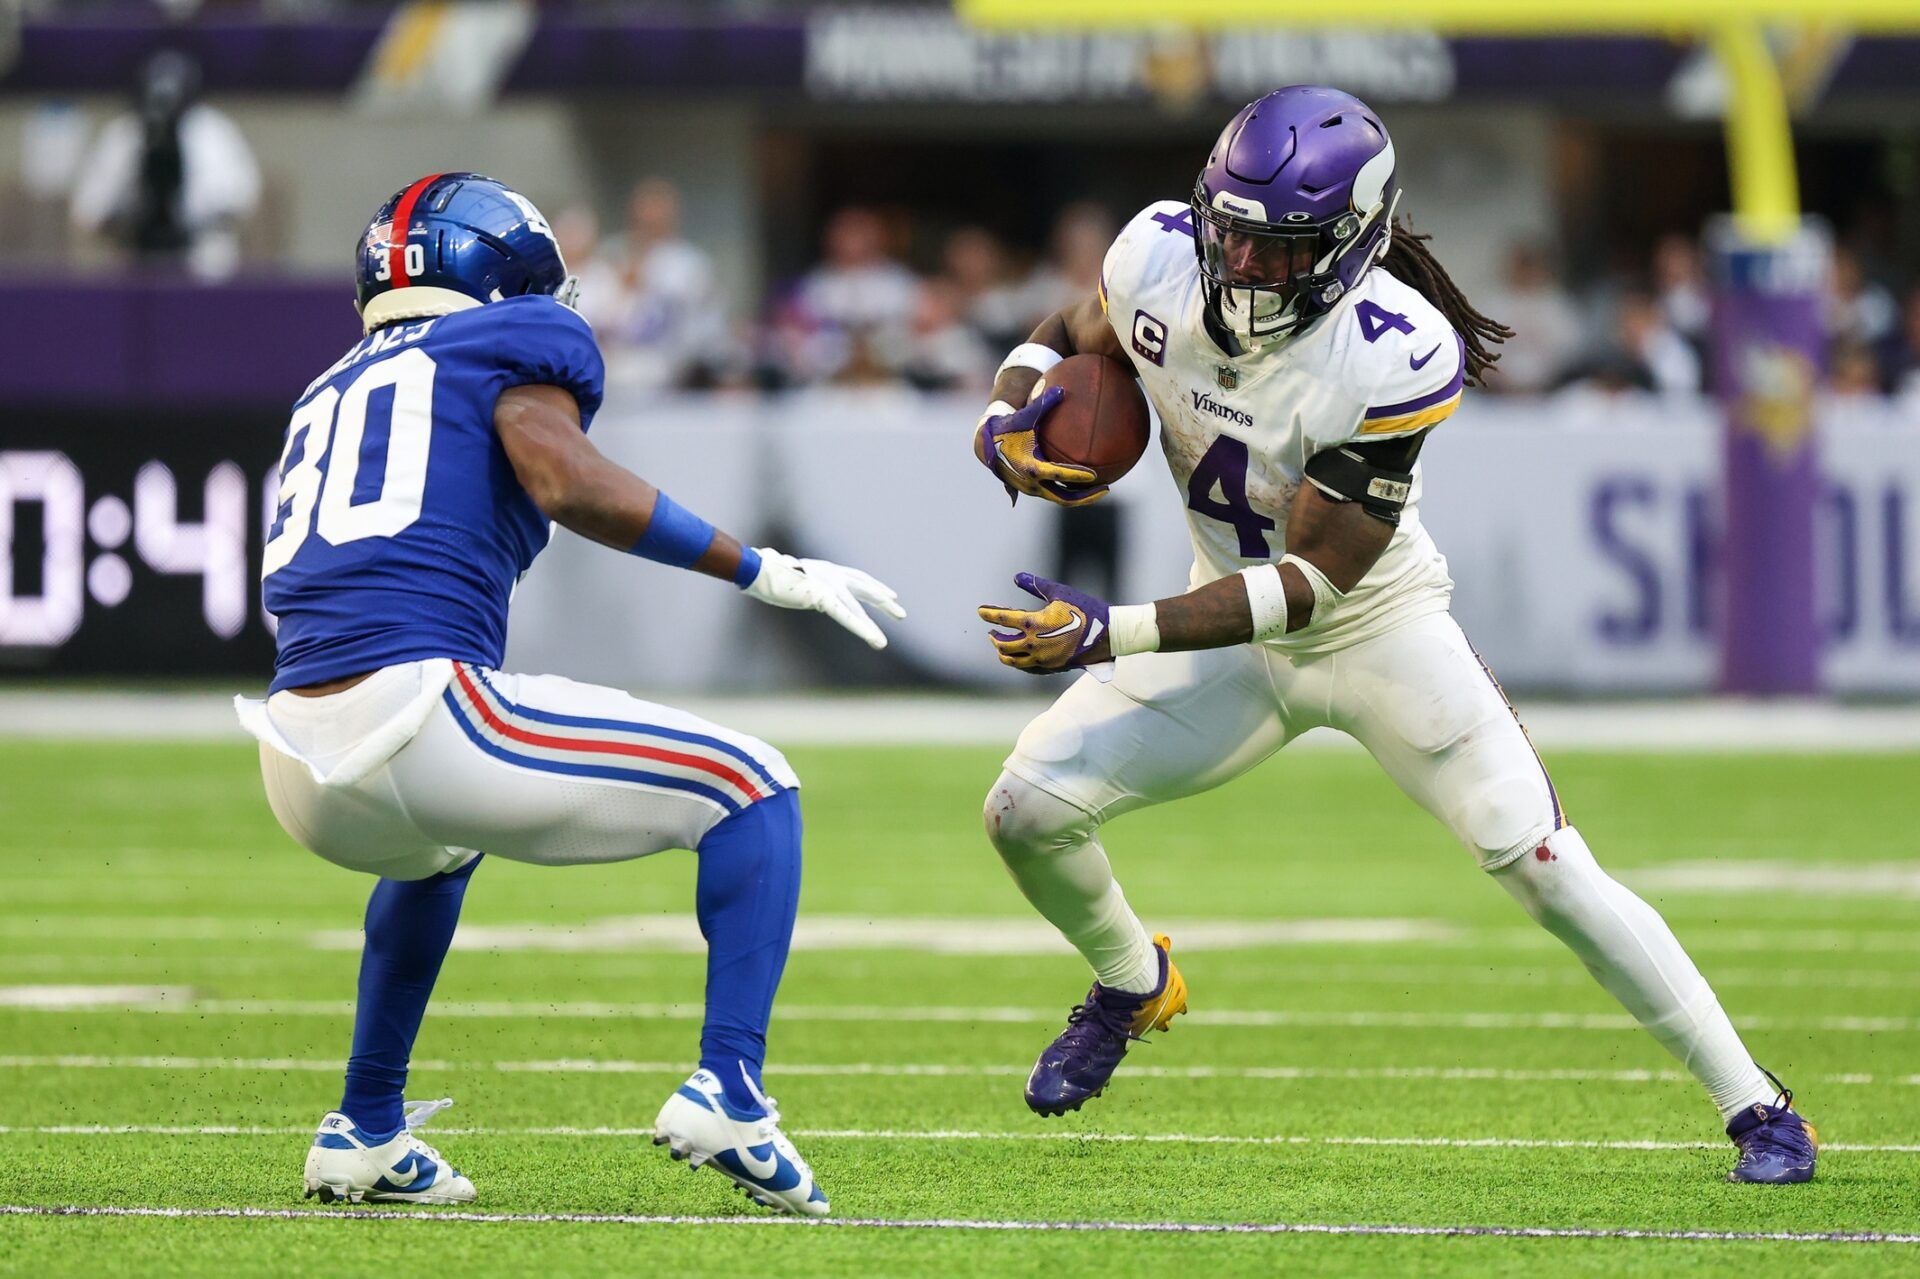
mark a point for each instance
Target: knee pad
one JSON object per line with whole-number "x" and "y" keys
{"x": 1024, "y": 821}
{"x": 1505, "y": 817}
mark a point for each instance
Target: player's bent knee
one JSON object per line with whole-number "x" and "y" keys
{"x": 1506, "y": 817}
{"x": 1024, "y": 821}
{"x": 770, "y": 827}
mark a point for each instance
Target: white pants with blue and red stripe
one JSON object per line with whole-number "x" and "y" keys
{"x": 410, "y": 772}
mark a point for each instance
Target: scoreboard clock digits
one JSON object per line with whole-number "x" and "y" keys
{"x": 46, "y": 613}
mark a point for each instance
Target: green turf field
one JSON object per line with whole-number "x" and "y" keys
{"x": 1412, "y": 1053}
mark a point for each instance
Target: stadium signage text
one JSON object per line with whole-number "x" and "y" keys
{"x": 886, "y": 54}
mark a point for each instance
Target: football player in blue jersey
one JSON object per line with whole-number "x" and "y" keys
{"x": 418, "y": 482}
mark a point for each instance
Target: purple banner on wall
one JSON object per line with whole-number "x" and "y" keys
{"x": 168, "y": 342}
{"x": 1769, "y": 343}
{"x": 866, "y": 52}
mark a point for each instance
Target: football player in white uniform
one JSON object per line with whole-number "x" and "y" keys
{"x": 1299, "y": 345}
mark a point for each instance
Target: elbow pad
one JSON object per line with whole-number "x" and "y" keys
{"x": 1350, "y": 473}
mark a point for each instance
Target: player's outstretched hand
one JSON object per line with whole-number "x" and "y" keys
{"x": 1069, "y": 629}
{"x": 1009, "y": 445}
{"x": 840, "y": 592}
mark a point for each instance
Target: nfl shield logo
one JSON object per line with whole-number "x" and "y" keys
{"x": 1227, "y": 376}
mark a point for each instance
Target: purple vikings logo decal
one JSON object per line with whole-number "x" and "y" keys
{"x": 1149, "y": 338}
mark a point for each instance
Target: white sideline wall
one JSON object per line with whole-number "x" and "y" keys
{"x": 1578, "y": 541}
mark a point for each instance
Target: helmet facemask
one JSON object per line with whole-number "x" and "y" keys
{"x": 1266, "y": 280}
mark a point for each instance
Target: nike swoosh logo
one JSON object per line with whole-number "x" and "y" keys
{"x": 1057, "y": 632}
{"x": 407, "y": 1171}
{"x": 1421, "y": 363}
{"x": 760, "y": 1167}
{"x": 746, "y": 1161}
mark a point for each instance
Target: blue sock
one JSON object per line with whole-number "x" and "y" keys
{"x": 409, "y": 927}
{"x": 749, "y": 888}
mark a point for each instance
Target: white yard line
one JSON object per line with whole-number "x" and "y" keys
{"x": 152, "y": 927}
{"x": 25, "y": 999}
{"x": 918, "y": 1070}
{"x": 951, "y": 1223}
{"x": 1502, "y": 975}
{"x": 962, "y": 935}
{"x": 964, "y": 1134}
{"x": 1708, "y": 936}
{"x": 77, "y": 998}
{"x": 1894, "y": 880}
{"x": 1440, "y": 935}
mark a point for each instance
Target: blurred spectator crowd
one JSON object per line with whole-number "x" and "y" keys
{"x": 861, "y": 316}
{"x": 1645, "y": 331}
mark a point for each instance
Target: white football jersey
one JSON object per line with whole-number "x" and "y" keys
{"x": 1237, "y": 432}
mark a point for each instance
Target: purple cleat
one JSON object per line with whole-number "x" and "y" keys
{"x": 1076, "y": 1066}
{"x": 1777, "y": 1146}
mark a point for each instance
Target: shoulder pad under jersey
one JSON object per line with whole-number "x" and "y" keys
{"x": 1403, "y": 355}
{"x": 539, "y": 340}
{"x": 1152, "y": 253}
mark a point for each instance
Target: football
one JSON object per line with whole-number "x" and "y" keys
{"x": 1101, "y": 421}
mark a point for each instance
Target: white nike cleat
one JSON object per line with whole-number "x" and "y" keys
{"x": 342, "y": 1165}
{"x": 703, "y": 1128}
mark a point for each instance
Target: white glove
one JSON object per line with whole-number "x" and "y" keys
{"x": 825, "y": 587}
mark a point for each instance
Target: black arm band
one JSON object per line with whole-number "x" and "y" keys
{"x": 1347, "y": 474}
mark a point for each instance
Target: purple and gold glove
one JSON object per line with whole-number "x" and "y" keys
{"x": 1007, "y": 444}
{"x": 1069, "y": 630}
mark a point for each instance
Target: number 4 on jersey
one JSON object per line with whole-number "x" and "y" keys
{"x": 1376, "y": 321}
{"x": 1224, "y": 467}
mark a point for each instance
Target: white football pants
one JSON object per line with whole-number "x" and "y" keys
{"x": 1428, "y": 709}
{"x": 417, "y": 768}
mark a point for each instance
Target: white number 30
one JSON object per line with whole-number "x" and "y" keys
{"x": 326, "y": 437}
{"x": 415, "y": 256}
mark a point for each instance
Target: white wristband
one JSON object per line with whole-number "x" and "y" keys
{"x": 1325, "y": 593}
{"x": 1267, "y": 596}
{"x": 999, "y": 408}
{"x": 1133, "y": 628}
{"x": 1030, "y": 355}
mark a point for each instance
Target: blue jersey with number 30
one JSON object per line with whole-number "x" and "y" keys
{"x": 401, "y": 528}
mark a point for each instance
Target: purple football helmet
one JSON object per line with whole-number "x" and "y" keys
{"x": 1295, "y": 205}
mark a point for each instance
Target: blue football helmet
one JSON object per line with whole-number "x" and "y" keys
{"x": 451, "y": 241}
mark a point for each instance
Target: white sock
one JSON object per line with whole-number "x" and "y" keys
{"x": 1049, "y": 848}
{"x": 1630, "y": 950}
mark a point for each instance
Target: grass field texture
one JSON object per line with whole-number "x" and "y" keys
{"x": 1399, "y": 1047}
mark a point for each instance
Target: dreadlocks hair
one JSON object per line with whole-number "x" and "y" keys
{"x": 1413, "y": 264}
